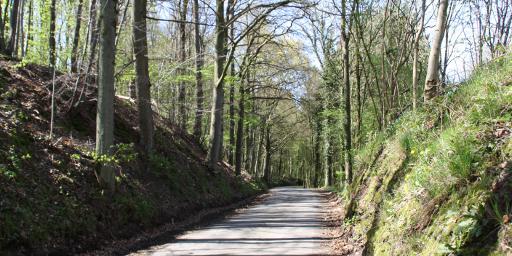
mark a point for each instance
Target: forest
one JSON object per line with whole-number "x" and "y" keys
{"x": 255, "y": 127}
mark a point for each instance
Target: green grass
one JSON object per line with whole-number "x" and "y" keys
{"x": 446, "y": 183}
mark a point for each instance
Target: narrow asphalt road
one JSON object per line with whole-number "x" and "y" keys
{"x": 288, "y": 222}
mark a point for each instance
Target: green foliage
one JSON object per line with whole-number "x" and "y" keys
{"x": 439, "y": 205}
{"x": 122, "y": 153}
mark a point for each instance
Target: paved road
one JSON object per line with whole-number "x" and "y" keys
{"x": 289, "y": 222}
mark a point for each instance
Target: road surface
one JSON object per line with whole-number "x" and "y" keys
{"x": 288, "y": 222}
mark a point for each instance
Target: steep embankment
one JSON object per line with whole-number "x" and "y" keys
{"x": 439, "y": 181}
{"x": 50, "y": 201}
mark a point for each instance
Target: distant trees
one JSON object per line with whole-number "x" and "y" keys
{"x": 371, "y": 55}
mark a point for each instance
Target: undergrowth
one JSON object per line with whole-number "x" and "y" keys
{"x": 442, "y": 201}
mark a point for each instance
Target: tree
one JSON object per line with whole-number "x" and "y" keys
{"x": 345, "y": 37}
{"x": 182, "y": 70}
{"x": 217, "y": 113}
{"x": 105, "y": 109}
{"x": 432, "y": 82}
{"x": 76, "y": 38}
{"x": 142, "y": 82}
{"x": 415, "y": 55}
{"x": 11, "y": 45}
{"x": 223, "y": 58}
{"x": 198, "y": 121}
{"x": 51, "y": 38}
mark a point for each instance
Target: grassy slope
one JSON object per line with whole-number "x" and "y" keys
{"x": 50, "y": 201}
{"x": 439, "y": 180}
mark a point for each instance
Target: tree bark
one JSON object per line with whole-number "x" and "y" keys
{"x": 105, "y": 110}
{"x": 143, "y": 84}
{"x": 14, "y": 22}
{"x": 6, "y": 10}
{"x": 2, "y": 29}
{"x": 29, "y": 27}
{"x": 345, "y": 36}
{"x": 318, "y": 153}
{"x": 182, "y": 69}
{"x": 20, "y": 33}
{"x": 198, "y": 123}
{"x": 240, "y": 131}
{"x": 94, "y": 25}
{"x": 268, "y": 157}
{"x": 432, "y": 80}
{"x": 76, "y": 38}
{"x": 232, "y": 142}
{"x": 51, "y": 42}
{"x": 217, "y": 112}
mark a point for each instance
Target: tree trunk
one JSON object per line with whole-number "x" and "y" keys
{"x": 51, "y": 42}
{"x": 318, "y": 153}
{"x": 182, "y": 69}
{"x": 415, "y": 56}
{"x": 29, "y": 28}
{"x": 14, "y": 23}
{"x": 268, "y": 157}
{"x": 346, "y": 91}
{"x": 2, "y": 28}
{"x": 240, "y": 131}
{"x": 94, "y": 25}
{"x": 198, "y": 123}
{"x": 259, "y": 154}
{"x": 6, "y": 10}
{"x": 432, "y": 80}
{"x": 231, "y": 116}
{"x": 140, "y": 48}
{"x": 76, "y": 38}
{"x": 105, "y": 110}
{"x": 20, "y": 33}
{"x": 217, "y": 112}
{"x": 231, "y": 93}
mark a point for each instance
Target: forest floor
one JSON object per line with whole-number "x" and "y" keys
{"x": 51, "y": 203}
{"x": 289, "y": 221}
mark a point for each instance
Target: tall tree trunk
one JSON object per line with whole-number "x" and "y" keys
{"x": 217, "y": 112}
{"x": 14, "y": 22}
{"x": 105, "y": 110}
{"x": 51, "y": 43}
{"x": 231, "y": 93}
{"x": 20, "y": 34}
{"x": 249, "y": 138}
{"x": 2, "y": 28}
{"x": 268, "y": 157}
{"x": 415, "y": 55}
{"x": 318, "y": 153}
{"x": 445, "y": 58}
{"x": 29, "y": 28}
{"x": 345, "y": 36}
{"x": 140, "y": 48}
{"x": 94, "y": 27}
{"x": 432, "y": 80}
{"x": 76, "y": 38}
{"x": 259, "y": 154}
{"x": 198, "y": 122}
{"x": 231, "y": 147}
{"x": 240, "y": 131}
{"x": 6, "y": 10}
{"x": 182, "y": 69}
